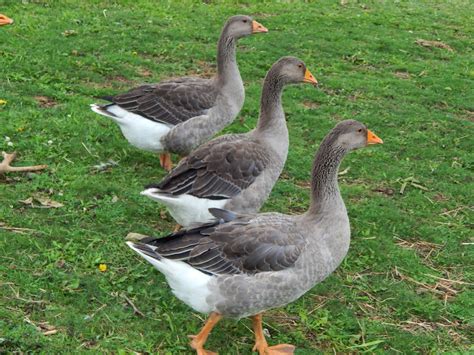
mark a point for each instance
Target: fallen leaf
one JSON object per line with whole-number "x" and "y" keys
{"x": 105, "y": 166}
{"x": 68, "y": 33}
{"x": 135, "y": 237}
{"x": 3, "y": 102}
{"x": 344, "y": 172}
{"x": 43, "y": 200}
{"x": 43, "y": 327}
{"x": 437, "y": 44}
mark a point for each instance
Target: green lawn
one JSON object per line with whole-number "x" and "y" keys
{"x": 407, "y": 283}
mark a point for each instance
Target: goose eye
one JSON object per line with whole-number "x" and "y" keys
{"x": 360, "y": 130}
{"x": 300, "y": 65}
{"x": 245, "y": 21}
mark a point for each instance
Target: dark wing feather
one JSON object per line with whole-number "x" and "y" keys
{"x": 243, "y": 246}
{"x": 170, "y": 102}
{"x": 220, "y": 169}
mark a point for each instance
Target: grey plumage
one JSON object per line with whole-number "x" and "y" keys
{"x": 257, "y": 262}
{"x": 238, "y": 168}
{"x": 187, "y": 110}
{"x": 219, "y": 169}
{"x": 170, "y": 102}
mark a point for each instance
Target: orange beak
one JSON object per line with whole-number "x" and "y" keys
{"x": 372, "y": 138}
{"x": 4, "y": 20}
{"x": 258, "y": 27}
{"x": 309, "y": 78}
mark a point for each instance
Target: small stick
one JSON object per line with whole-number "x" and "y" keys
{"x": 135, "y": 309}
{"x": 8, "y": 158}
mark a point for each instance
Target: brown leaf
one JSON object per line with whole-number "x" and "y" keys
{"x": 437, "y": 44}
{"x": 45, "y": 101}
{"x": 44, "y": 201}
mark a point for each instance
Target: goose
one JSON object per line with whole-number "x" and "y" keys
{"x": 244, "y": 265}
{"x": 179, "y": 114}
{"x": 235, "y": 171}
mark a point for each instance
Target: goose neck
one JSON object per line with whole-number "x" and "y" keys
{"x": 271, "y": 109}
{"x": 325, "y": 194}
{"x": 227, "y": 69}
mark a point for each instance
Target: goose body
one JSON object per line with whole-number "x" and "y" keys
{"x": 243, "y": 290}
{"x": 252, "y": 263}
{"x": 179, "y": 114}
{"x": 235, "y": 171}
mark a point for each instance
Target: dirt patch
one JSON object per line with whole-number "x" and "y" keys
{"x": 144, "y": 72}
{"x": 468, "y": 115}
{"x": 45, "y": 101}
{"x": 310, "y": 104}
{"x": 440, "y": 197}
{"x": 204, "y": 70}
{"x": 120, "y": 79}
{"x": 402, "y": 75}
{"x": 387, "y": 191}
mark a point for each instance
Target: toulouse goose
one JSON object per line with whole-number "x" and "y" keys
{"x": 235, "y": 171}
{"x": 252, "y": 263}
{"x": 179, "y": 114}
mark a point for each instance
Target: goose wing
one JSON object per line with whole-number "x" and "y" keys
{"x": 219, "y": 169}
{"x": 246, "y": 245}
{"x": 170, "y": 102}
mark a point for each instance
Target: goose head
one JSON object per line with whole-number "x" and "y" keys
{"x": 291, "y": 70}
{"x": 350, "y": 135}
{"x": 241, "y": 26}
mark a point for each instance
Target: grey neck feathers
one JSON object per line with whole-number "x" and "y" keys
{"x": 226, "y": 59}
{"x": 325, "y": 193}
{"x": 272, "y": 115}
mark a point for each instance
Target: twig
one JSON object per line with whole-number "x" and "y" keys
{"x": 449, "y": 280}
{"x": 16, "y": 229}
{"x": 17, "y": 296}
{"x": 135, "y": 309}
{"x": 8, "y": 158}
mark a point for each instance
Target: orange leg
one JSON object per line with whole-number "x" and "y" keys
{"x": 261, "y": 344}
{"x": 198, "y": 341}
{"x": 165, "y": 161}
{"x": 8, "y": 158}
{"x": 177, "y": 227}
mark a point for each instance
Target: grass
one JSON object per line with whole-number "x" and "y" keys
{"x": 406, "y": 285}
